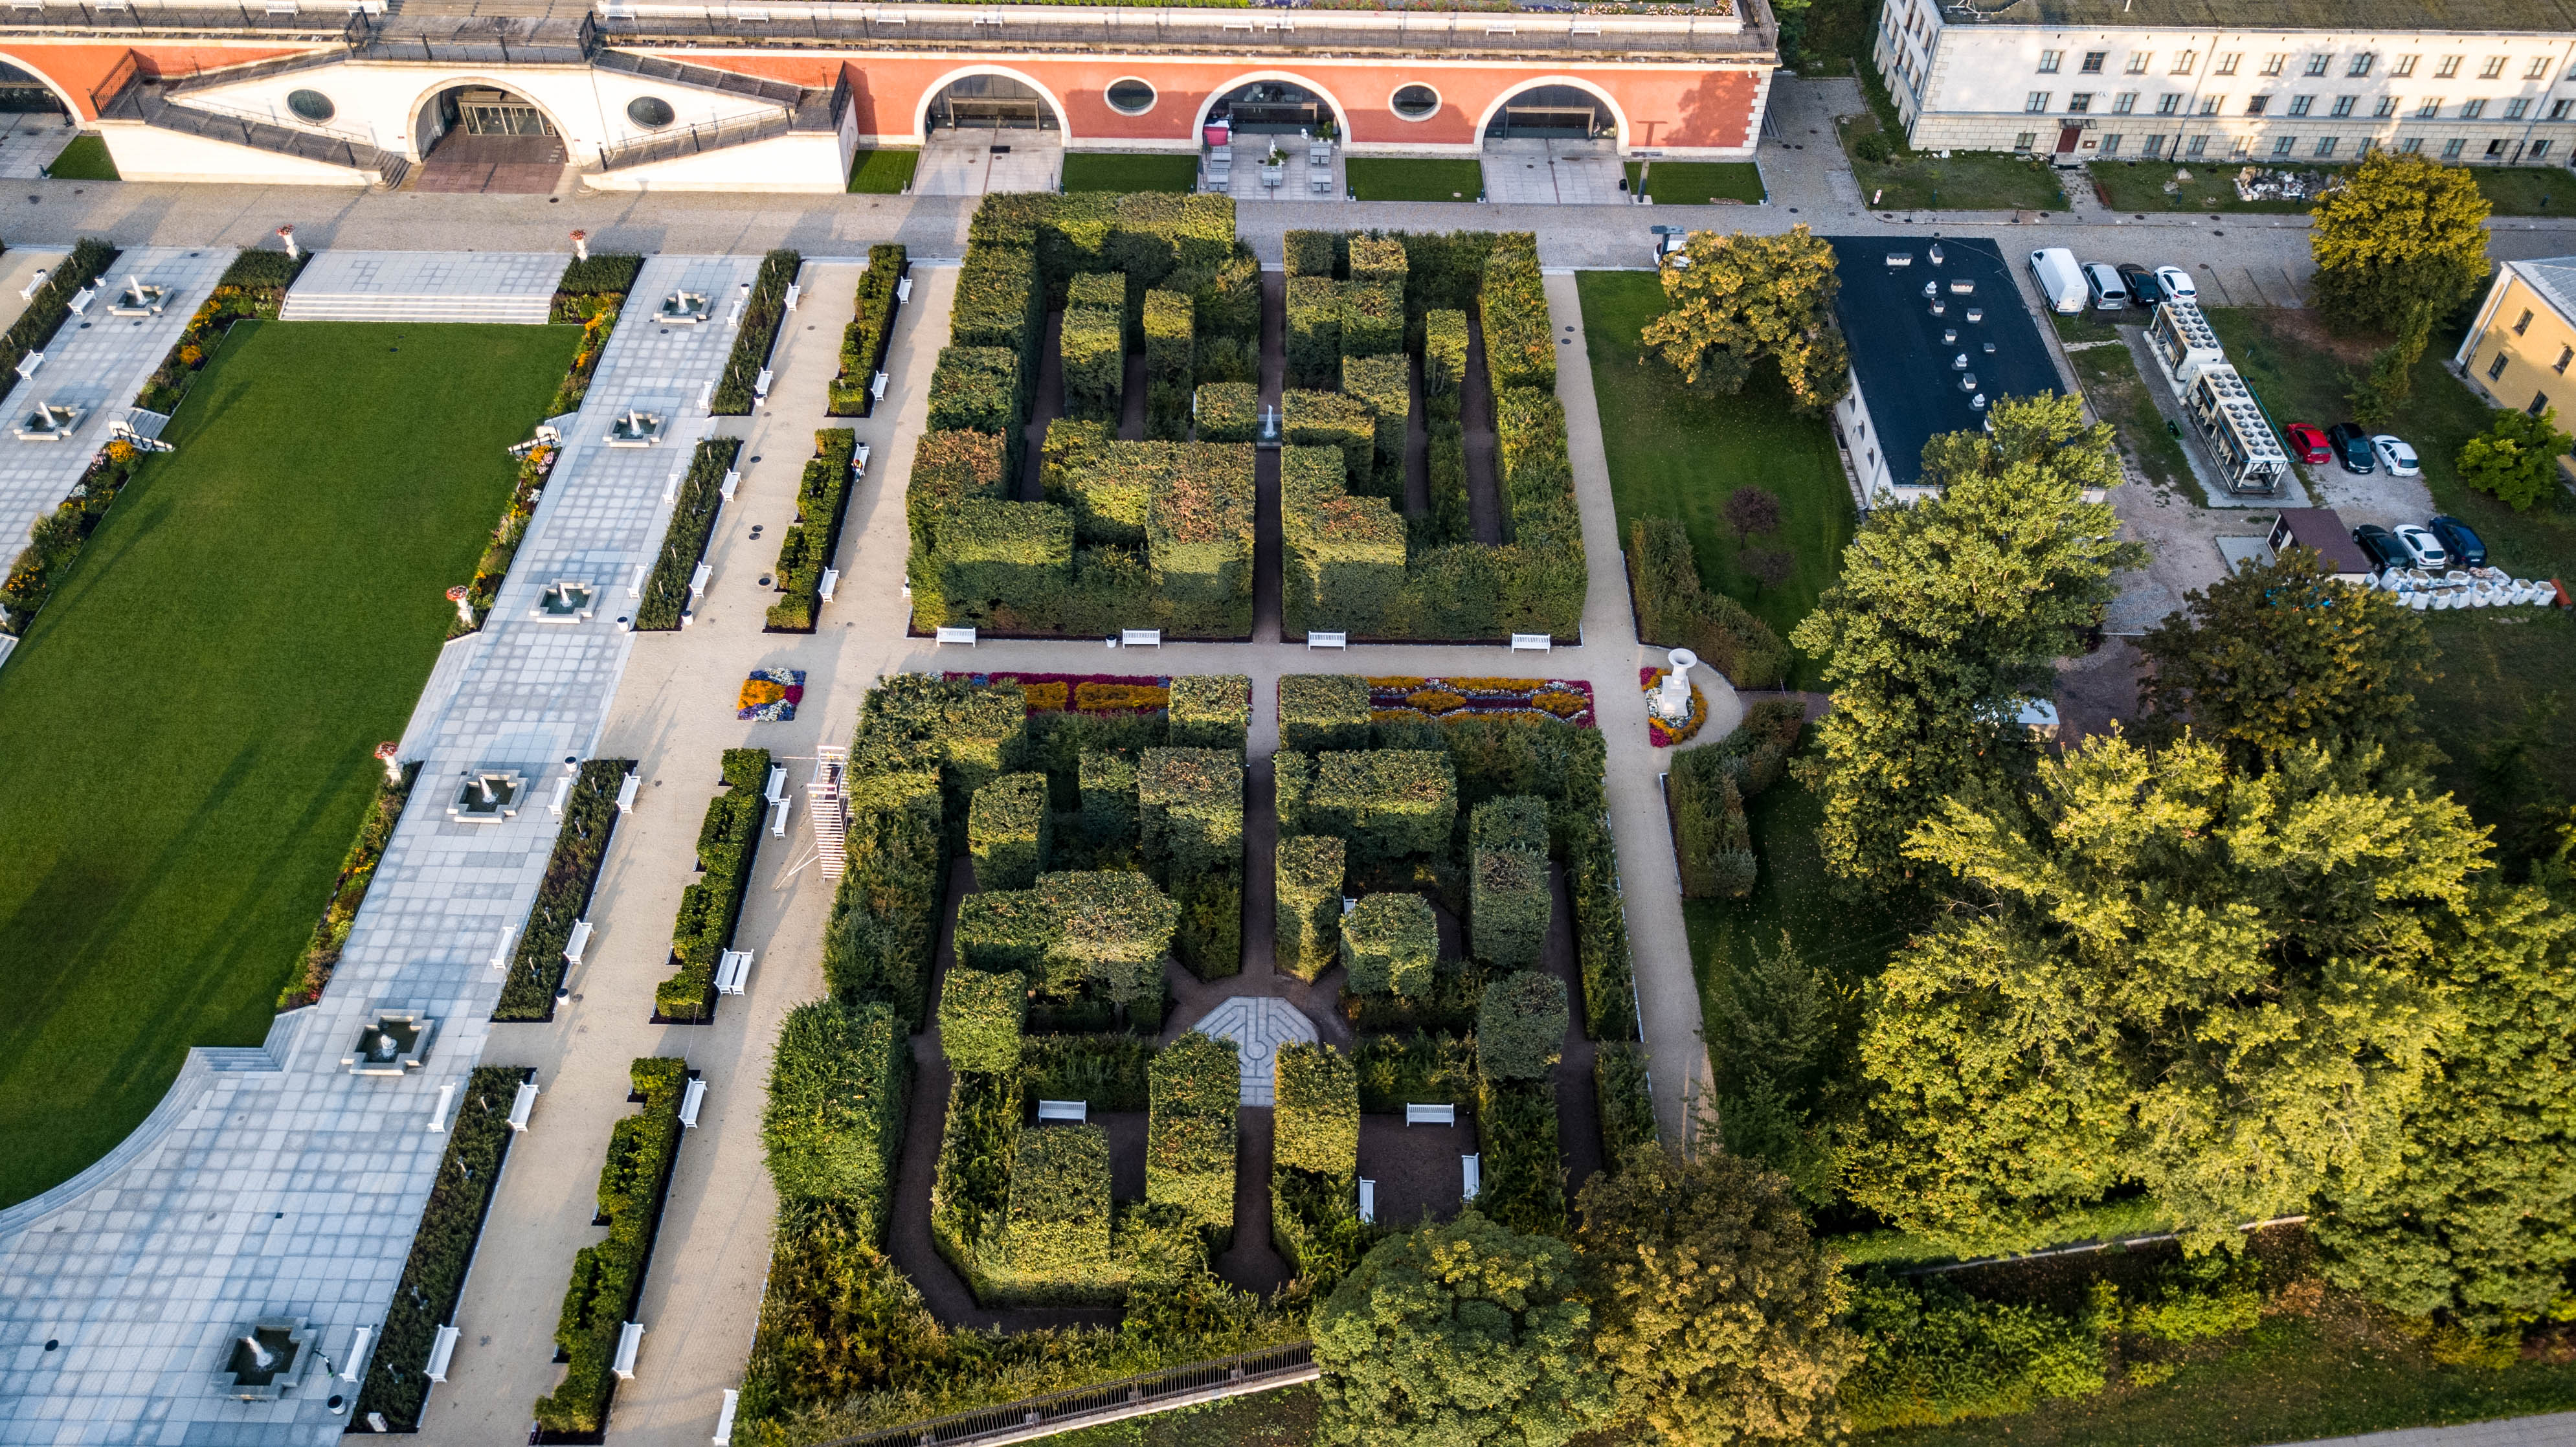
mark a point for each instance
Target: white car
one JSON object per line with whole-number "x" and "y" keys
{"x": 1672, "y": 250}
{"x": 2395, "y": 455}
{"x": 2177, "y": 284}
{"x": 2422, "y": 546}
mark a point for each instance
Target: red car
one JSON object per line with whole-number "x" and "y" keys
{"x": 2308, "y": 444}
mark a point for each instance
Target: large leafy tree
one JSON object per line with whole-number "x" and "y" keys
{"x": 2277, "y": 654}
{"x": 1457, "y": 1335}
{"x": 2223, "y": 985}
{"x": 2516, "y": 458}
{"x": 1744, "y": 298}
{"x": 2404, "y": 236}
{"x": 2479, "y": 1219}
{"x": 1714, "y": 1310}
{"x": 1951, "y": 609}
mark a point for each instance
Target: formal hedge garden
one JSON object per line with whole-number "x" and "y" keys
{"x": 693, "y": 522}
{"x": 608, "y": 1279}
{"x": 1390, "y": 945}
{"x": 810, "y": 543}
{"x": 1194, "y": 1084}
{"x": 728, "y": 838}
{"x": 563, "y": 897}
{"x": 870, "y": 332}
{"x": 833, "y": 1124}
{"x": 762, "y": 313}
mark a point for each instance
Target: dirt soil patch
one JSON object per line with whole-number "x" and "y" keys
{"x": 1417, "y": 1168}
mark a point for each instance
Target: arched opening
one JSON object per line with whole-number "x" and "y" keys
{"x": 1552, "y": 113}
{"x": 1554, "y": 141}
{"x": 477, "y": 136}
{"x": 23, "y": 92}
{"x": 1270, "y": 108}
{"x": 989, "y": 103}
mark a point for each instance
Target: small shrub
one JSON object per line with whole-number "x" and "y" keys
{"x": 761, "y": 315}
{"x": 980, "y": 1016}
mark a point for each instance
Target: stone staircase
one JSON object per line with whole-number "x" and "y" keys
{"x": 375, "y": 286}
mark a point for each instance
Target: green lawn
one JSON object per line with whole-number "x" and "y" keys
{"x": 1382, "y": 178}
{"x": 2528, "y": 190}
{"x": 1696, "y": 183}
{"x": 2108, "y": 372}
{"x": 2139, "y": 186}
{"x": 193, "y": 714}
{"x": 1968, "y": 181}
{"x": 1677, "y": 455}
{"x": 1103, "y": 171}
{"x": 883, "y": 173}
{"x": 85, "y": 159}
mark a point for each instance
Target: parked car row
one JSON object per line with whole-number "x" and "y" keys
{"x": 2069, "y": 286}
{"x": 2359, "y": 453}
{"x": 2443, "y": 542}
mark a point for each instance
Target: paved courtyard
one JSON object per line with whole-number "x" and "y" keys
{"x": 1259, "y": 1026}
{"x": 972, "y": 162}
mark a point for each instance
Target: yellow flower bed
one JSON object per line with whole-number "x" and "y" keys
{"x": 759, "y": 693}
{"x": 1561, "y": 702}
{"x": 1044, "y": 697}
{"x": 1114, "y": 697}
{"x": 1434, "y": 700}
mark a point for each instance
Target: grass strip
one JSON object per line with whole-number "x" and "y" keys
{"x": 1382, "y": 178}
{"x": 85, "y": 159}
{"x": 357, "y": 871}
{"x": 1095, "y": 171}
{"x": 1699, "y": 183}
{"x": 883, "y": 173}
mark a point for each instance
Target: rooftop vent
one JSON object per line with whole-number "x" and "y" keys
{"x": 1959, "y": 363}
{"x": 1990, "y": 347}
{"x": 1931, "y": 288}
{"x": 1936, "y": 253}
{"x": 1900, "y": 258}
{"x": 1939, "y": 307}
{"x": 1978, "y": 401}
{"x": 1968, "y": 382}
{"x": 1950, "y": 337}
{"x": 1976, "y": 313}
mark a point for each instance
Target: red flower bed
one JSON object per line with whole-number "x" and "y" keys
{"x": 1664, "y": 735}
{"x": 1084, "y": 692}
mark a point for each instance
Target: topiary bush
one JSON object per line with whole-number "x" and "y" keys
{"x": 1308, "y": 879}
{"x": 834, "y": 1121}
{"x": 1387, "y": 803}
{"x": 1170, "y": 363}
{"x": 1319, "y": 711}
{"x": 980, "y": 1017}
{"x": 1334, "y": 419}
{"x": 1376, "y": 259}
{"x": 1210, "y": 940}
{"x": 1058, "y": 1227}
{"x": 1315, "y": 1119}
{"x": 1508, "y": 907}
{"x": 1345, "y": 568}
{"x": 1007, "y": 829}
{"x": 1211, "y": 711}
{"x": 1314, "y": 339}
{"x": 810, "y": 543}
{"x": 1196, "y": 1082}
{"x": 1390, "y": 943}
{"x": 1190, "y": 803}
{"x": 1385, "y": 383}
{"x": 1314, "y": 253}
{"x": 1107, "y": 778}
{"x": 1520, "y": 343}
{"x": 762, "y": 312}
{"x": 871, "y": 329}
{"x": 1710, "y": 786}
{"x": 1227, "y": 412}
{"x": 1520, "y": 1026}
{"x": 1372, "y": 320}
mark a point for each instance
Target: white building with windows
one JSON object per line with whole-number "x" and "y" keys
{"x": 2236, "y": 80}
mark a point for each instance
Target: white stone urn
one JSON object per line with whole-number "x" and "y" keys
{"x": 1672, "y": 702}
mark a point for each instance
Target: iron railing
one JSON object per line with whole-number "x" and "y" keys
{"x": 703, "y": 77}
{"x": 1083, "y": 1406}
{"x": 696, "y": 140}
{"x": 141, "y": 102}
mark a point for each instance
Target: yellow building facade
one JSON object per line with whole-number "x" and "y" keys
{"x": 2521, "y": 349}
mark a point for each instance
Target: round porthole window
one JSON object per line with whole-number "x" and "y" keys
{"x": 650, "y": 111}
{"x": 1130, "y": 97}
{"x": 1414, "y": 102}
{"x": 311, "y": 105}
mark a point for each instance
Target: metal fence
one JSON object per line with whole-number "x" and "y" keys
{"x": 1085, "y": 1406}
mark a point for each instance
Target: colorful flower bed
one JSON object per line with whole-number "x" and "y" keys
{"x": 1666, "y": 735}
{"x": 1084, "y": 692}
{"x": 1447, "y": 700}
{"x": 770, "y": 695}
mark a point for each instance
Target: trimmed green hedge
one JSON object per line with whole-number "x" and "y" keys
{"x": 1107, "y": 779}
{"x": 433, "y": 1276}
{"x": 1523, "y": 1183}
{"x": 947, "y": 469}
{"x": 1388, "y": 803}
{"x": 871, "y": 329}
{"x": 1334, "y": 419}
{"x": 1117, "y": 927}
{"x": 1171, "y": 364}
{"x": 1391, "y": 943}
{"x": 1508, "y": 901}
{"x": 1938, "y": 1355}
{"x": 1314, "y": 340}
{"x": 1395, "y": 1071}
{"x": 1227, "y": 412}
{"x": 1520, "y": 345}
{"x": 693, "y": 521}
{"x": 608, "y": 1279}
{"x": 1316, "y": 1117}
{"x": 1319, "y": 711}
{"x": 1007, "y": 931}
{"x": 833, "y": 1126}
{"x": 1520, "y": 1027}
{"x": 814, "y": 539}
{"x": 1059, "y": 1214}
{"x": 761, "y": 314}
{"x": 1316, "y": 1227}
{"x": 727, "y": 840}
{"x": 1211, "y": 711}
{"x": 1309, "y": 872}
{"x": 1625, "y": 1098}
{"x": 1191, "y": 804}
{"x": 607, "y": 274}
{"x": 1712, "y": 837}
{"x": 1377, "y": 259}
{"x": 1512, "y": 821}
{"x": 980, "y": 1019}
{"x": 1372, "y": 320}
{"x": 1195, "y": 1084}
{"x": 1109, "y": 1071}
{"x": 1675, "y": 611}
{"x": 970, "y": 1196}
{"x": 1444, "y": 362}
{"x": 1345, "y": 556}
{"x": 1007, "y": 831}
{"x": 572, "y": 871}
{"x": 1092, "y": 342}
{"x": 1315, "y": 253}
{"x": 1210, "y": 940}
{"x": 976, "y": 389}
{"x": 999, "y": 302}
{"x": 1385, "y": 383}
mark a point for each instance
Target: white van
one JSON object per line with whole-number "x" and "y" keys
{"x": 2109, "y": 294}
{"x": 2061, "y": 281}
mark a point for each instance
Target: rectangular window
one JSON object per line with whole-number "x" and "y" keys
{"x": 2048, "y": 61}
{"x": 2361, "y": 65}
{"x": 2317, "y": 64}
{"x": 2522, "y": 323}
{"x": 2123, "y": 103}
{"x": 2080, "y": 102}
{"x": 2369, "y": 144}
{"x": 2183, "y": 61}
{"x": 2494, "y": 149}
{"x": 2472, "y": 109}
{"x": 2451, "y": 149}
{"x": 2539, "y": 67}
{"x": 2387, "y": 107}
{"x": 2449, "y": 67}
{"x": 2411, "y": 144}
{"x": 2023, "y": 141}
{"x": 2155, "y": 147}
{"x": 2137, "y": 61}
{"x": 2237, "y": 149}
{"x": 2496, "y": 369}
{"x": 2226, "y": 63}
{"x": 2168, "y": 103}
{"x": 2516, "y": 108}
{"x": 2539, "y": 149}
{"x": 2558, "y": 109}
{"x": 2539, "y": 403}
{"x": 2110, "y": 145}
{"x": 2404, "y": 67}
{"x": 2038, "y": 101}
{"x": 2093, "y": 61}
{"x": 2343, "y": 106}
{"x": 2272, "y": 64}
{"x": 2209, "y": 104}
{"x": 2431, "y": 107}
{"x": 2283, "y": 145}
{"x": 2565, "y": 355}
{"x": 2254, "y": 106}
{"x": 2493, "y": 68}
{"x": 2325, "y": 145}
{"x": 2299, "y": 104}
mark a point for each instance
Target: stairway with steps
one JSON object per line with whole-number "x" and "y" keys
{"x": 425, "y": 286}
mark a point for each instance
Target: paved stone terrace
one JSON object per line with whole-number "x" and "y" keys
{"x": 97, "y": 363}
{"x": 426, "y": 286}
{"x": 1259, "y": 1026}
{"x": 271, "y": 1182}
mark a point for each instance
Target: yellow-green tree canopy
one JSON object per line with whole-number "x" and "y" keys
{"x": 1744, "y": 298}
{"x": 2516, "y": 458}
{"x": 2404, "y": 234}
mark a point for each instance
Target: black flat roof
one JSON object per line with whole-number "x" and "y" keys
{"x": 1899, "y": 359}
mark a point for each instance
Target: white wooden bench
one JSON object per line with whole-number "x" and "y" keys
{"x": 438, "y": 1112}
{"x": 776, "y": 789}
{"x": 1531, "y": 642}
{"x": 1473, "y": 1167}
{"x": 1140, "y": 637}
{"x": 876, "y": 387}
{"x": 958, "y": 635}
{"x": 1431, "y": 1115}
{"x": 563, "y": 791}
{"x": 523, "y": 1105}
{"x": 1368, "y": 1201}
{"x": 778, "y": 819}
{"x": 733, "y": 971}
{"x": 692, "y": 1097}
{"x": 903, "y": 290}
{"x": 81, "y": 299}
{"x": 698, "y": 579}
{"x": 1349, "y": 904}
{"x": 355, "y": 1367}
{"x": 42, "y": 276}
{"x": 724, "y": 1419}
{"x": 630, "y": 1342}
{"x": 1072, "y": 1110}
{"x": 793, "y": 291}
{"x": 501, "y": 951}
{"x": 8, "y": 645}
{"x": 859, "y": 461}
{"x": 442, "y": 1351}
{"x": 1328, "y": 640}
{"x": 760, "y": 385}
{"x": 635, "y": 586}
{"x": 706, "y": 396}
{"x": 732, "y": 480}
{"x": 28, "y": 364}
{"x": 626, "y": 792}
{"x": 580, "y": 941}
{"x": 831, "y": 583}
